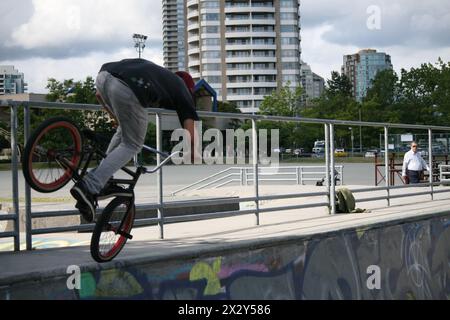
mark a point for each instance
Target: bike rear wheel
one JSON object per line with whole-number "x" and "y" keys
{"x": 112, "y": 229}
{"x": 52, "y": 154}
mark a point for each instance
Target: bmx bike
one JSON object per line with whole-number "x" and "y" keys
{"x": 57, "y": 152}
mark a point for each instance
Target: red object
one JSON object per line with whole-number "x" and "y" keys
{"x": 187, "y": 80}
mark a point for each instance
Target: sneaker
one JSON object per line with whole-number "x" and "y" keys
{"x": 85, "y": 201}
{"x": 113, "y": 190}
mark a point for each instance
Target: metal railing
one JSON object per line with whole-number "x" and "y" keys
{"x": 244, "y": 176}
{"x": 444, "y": 173}
{"x": 161, "y": 205}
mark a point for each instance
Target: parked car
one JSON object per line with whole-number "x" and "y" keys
{"x": 299, "y": 151}
{"x": 340, "y": 153}
{"x": 371, "y": 153}
{"x": 319, "y": 147}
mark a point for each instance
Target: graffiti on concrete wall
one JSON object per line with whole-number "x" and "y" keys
{"x": 413, "y": 259}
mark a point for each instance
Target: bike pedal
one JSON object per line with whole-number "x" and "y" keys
{"x": 126, "y": 235}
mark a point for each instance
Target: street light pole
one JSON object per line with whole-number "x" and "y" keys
{"x": 360, "y": 132}
{"x": 139, "y": 40}
{"x": 352, "y": 137}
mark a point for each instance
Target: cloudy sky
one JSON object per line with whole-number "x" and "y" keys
{"x": 67, "y": 39}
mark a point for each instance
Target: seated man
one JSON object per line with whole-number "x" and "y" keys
{"x": 124, "y": 89}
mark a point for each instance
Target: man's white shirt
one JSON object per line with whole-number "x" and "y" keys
{"x": 414, "y": 161}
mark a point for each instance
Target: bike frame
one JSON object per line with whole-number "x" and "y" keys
{"x": 91, "y": 149}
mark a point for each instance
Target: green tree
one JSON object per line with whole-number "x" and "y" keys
{"x": 283, "y": 102}
{"x": 339, "y": 84}
{"x": 82, "y": 92}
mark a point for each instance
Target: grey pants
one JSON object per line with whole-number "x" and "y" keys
{"x": 130, "y": 135}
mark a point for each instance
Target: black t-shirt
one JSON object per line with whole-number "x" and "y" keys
{"x": 154, "y": 86}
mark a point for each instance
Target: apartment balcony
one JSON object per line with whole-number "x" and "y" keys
{"x": 193, "y": 63}
{"x": 193, "y": 39}
{"x": 192, "y": 51}
{"x": 207, "y": 23}
{"x": 233, "y": 97}
{"x": 263, "y": 72}
{"x": 238, "y": 59}
{"x": 247, "y": 46}
{"x": 209, "y": 10}
{"x": 192, "y": 14}
{"x": 211, "y": 60}
{"x": 195, "y": 75}
{"x": 193, "y": 26}
{"x": 291, "y": 59}
{"x": 263, "y": 21}
{"x": 263, "y": 46}
{"x": 246, "y": 34}
{"x": 239, "y": 72}
{"x": 236, "y": 8}
{"x": 237, "y": 22}
{"x": 260, "y": 84}
{"x": 264, "y": 59}
{"x": 238, "y": 34}
{"x": 210, "y": 36}
{"x": 292, "y": 10}
{"x": 206, "y": 73}
{"x": 290, "y": 47}
{"x": 211, "y": 48}
{"x": 250, "y": 59}
{"x": 233, "y": 85}
{"x": 192, "y": 3}
{"x": 291, "y": 71}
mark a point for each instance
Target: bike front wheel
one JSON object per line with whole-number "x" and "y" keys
{"x": 112, "y": 229}
{"x": 52, "y": 154}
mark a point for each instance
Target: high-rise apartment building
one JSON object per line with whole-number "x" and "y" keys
{"x": 174, "y": 34}
{"x": 244, "y": 49}
{"x": 313, "y": 84}
{"x": 362, "y": 67}
{"x": 11, "y": 81}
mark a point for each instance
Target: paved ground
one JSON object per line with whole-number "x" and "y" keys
{"x": 220, "y": 234}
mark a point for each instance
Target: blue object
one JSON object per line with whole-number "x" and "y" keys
{"x": 202, "y": 84}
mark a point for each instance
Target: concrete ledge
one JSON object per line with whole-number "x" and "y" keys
{"x": 192, "y": 210}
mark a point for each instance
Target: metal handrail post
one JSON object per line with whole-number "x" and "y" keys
{"x": 327, "y": 164}
{"x": 255, "y": 167}
{"x": 333, "y": 182}
{"x": 160, "y": 175}
{"x": 15, "y": 177}
{"x": 430, "y": 161}
{"x": 386, "y": 162}
{"x": 28, "y": 221}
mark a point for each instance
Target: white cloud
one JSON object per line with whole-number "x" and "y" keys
{"x": 56, "y": 23}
